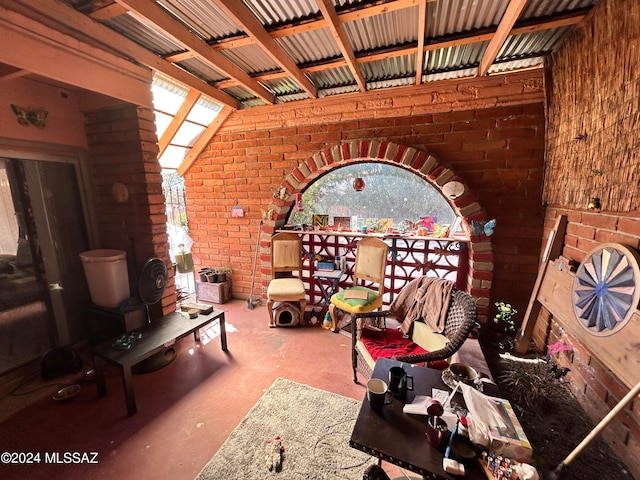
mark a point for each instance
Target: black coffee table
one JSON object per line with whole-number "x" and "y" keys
{"x": 399, "y": 438}
{"x": 154, "y": 337}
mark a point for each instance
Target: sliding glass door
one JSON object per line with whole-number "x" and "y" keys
{"x": 42, "y": 232}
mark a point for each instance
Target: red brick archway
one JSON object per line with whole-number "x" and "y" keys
{"x": 418, "y": 161}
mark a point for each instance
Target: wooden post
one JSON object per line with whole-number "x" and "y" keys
{"x": 552, "y": 250}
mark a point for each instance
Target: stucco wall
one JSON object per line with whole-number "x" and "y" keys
{"x": 64, "y": 122}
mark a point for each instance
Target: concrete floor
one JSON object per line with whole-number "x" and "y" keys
{"x": 185, "y": 410}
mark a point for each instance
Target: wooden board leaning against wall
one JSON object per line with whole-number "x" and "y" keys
{"x": 617, "y": 348}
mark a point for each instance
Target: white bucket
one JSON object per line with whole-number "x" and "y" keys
{"x": 107, "y": 276}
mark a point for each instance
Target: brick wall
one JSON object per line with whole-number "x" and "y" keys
{"x": 123, "y": 149}
{"x": 600, "y": 99}
{"x": 489, "y": 132}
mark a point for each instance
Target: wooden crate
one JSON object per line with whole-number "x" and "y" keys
{"x": 213, "y": 292}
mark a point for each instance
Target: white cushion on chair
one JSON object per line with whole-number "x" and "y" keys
{"x": 428, "y": 339}
{"x": 282, "y": 289}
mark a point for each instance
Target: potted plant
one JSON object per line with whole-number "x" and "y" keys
{"x": 222, "y": 273}
{"x": 504, "y": 319}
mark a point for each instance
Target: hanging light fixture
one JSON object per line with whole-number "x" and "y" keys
{"x": 358, "y": 184}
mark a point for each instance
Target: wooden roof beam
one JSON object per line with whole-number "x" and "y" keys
{"x": 504, "y": 28}
{"x": 238, "y": 12}
{"x": 86, "y": 27}
{"x": 422, "y": 26}
{"x": 176, "y": 30}
{"x": 340, "y": 36}
{"x": 178, "y": 119}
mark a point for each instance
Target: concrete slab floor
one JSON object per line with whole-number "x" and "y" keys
{"x": 185, "y": 410}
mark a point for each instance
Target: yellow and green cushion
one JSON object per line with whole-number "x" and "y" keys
{"x": 357, "y": 305}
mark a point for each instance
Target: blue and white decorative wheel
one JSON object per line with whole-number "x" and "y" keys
{"x": 605, "y": 290}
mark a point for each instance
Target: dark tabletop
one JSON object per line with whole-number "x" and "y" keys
{"x": 154, "y": 336}
{"x": 399, "y": 438}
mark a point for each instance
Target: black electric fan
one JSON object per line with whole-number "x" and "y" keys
{"x": 152, "y": 282}
{"x": 151, "y": 285}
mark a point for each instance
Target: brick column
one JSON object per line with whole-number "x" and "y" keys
{"x": 123, "y": 150}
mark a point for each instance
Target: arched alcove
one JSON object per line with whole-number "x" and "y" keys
{"x": 421, "y": 163}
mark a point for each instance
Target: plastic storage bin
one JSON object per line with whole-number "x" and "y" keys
{"x": 107, "y": 276}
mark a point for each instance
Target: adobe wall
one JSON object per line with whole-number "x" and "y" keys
{"x": 596, "y": 94}
{"x": 489, "y": 132}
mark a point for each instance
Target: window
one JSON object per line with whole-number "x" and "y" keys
{"x": 391, "y": 194}
{"x": 168, "y": 98}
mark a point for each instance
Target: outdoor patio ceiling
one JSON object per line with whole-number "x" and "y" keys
{"x": 251, "y": 53}
{"x": 245, "y": 53}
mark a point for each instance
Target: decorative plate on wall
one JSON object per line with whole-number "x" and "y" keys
{"x": 606, "y": 290}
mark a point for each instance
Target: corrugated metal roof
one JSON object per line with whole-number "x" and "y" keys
{"x": 462, "y": 73}
{"x": 202, "y": 70}
{"x": 333, "y": 77}
{"x": 454, "y": 58}
{"x": 251, "y": 58}
{"x": 310, "y": 46}
{"x": 524, "y": 44}
{"x": 516, "y": 64}
{"x": 202, "y": 17}
{"x": 455, "y": 16}
{"x": 144, "y": 34}
{"x": 282, "y": 86}
{"x": 389, "y": 68}
{"x": 545, "y": 8}
{"x": 393, "y": 28}
{"x": 397, "y": 27}
{"x": 282, "y": 11}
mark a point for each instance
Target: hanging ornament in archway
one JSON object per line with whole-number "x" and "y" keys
{"x": 358, "y": 184}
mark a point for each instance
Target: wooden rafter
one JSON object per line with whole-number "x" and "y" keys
{"x": 239, "y": 12}
{"x": 176, "y": 30}
{"x": 204, "y": 140}
{"x": 286, "y": 31}
{"x": 339, "y": 35}
{"x": 468, "y": 38}
{"x": 7, "y": 72}
{"x": 178, "y": 119}
{"x": 506, "y": 25}
{"x": 108, "y": 11}
{"x": 84, "y": 26}
{"x": 422, "y": 20}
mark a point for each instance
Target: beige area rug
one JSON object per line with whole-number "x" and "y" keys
{"x": 314, "y": 426}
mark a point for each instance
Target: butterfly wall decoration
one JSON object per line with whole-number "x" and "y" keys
{"x": 267, "y": 214}
{"x": 280, "y": 193}
{"x": 478, "y": 228}
{"x": 27, "y": 117}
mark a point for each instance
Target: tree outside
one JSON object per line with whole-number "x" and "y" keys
{"x": 390, "y": 192}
